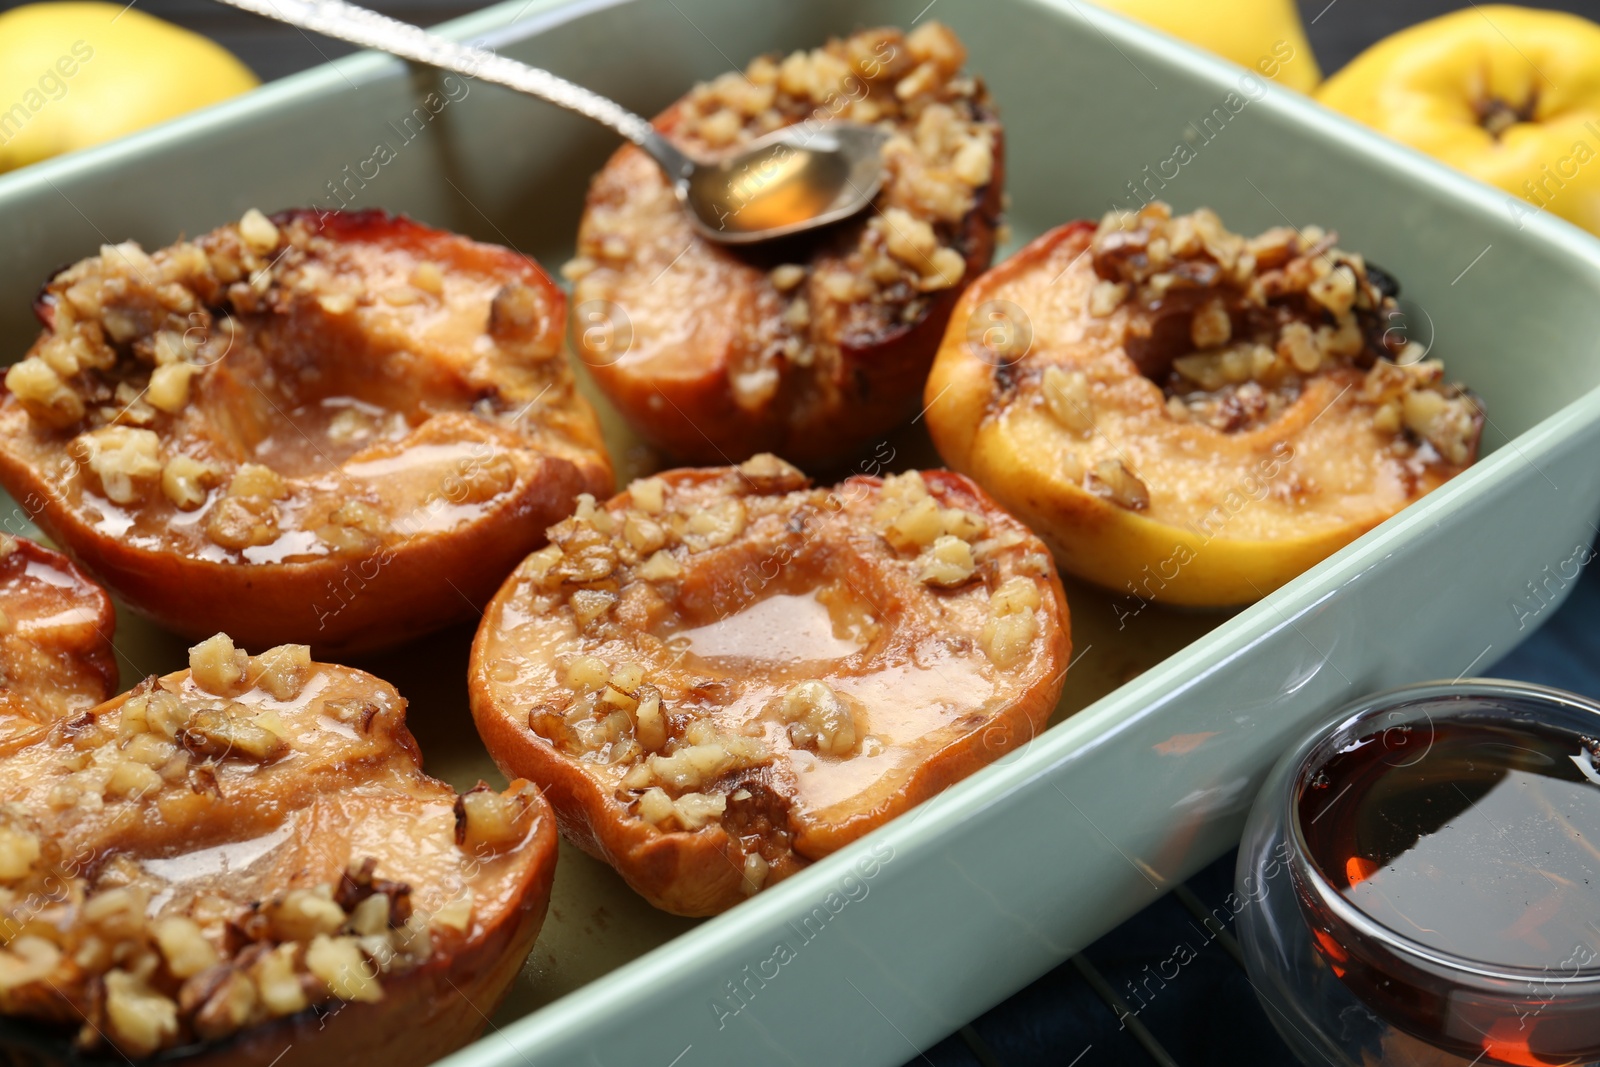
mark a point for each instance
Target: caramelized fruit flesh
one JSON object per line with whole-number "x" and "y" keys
{"x": 722, "y": 675}
{"x": 1192, "y": 416}
{"x": 815, "y": 345}
{"x": 336, "y": 427}
{"x": 56, "y": 626}
{"x": 247, "y": 855}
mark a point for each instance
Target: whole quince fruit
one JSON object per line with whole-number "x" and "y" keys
{"x": 75, "y": 74}
{"x": 1264, "y": 35}
{"x": 1509, "y": 95}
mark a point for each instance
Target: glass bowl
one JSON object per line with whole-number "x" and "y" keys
{"x": 1346, "y": 987}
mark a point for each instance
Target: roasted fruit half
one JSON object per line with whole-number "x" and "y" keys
{"x": 246, "y": 856}
{"x": 341, "y": 429}
{"x": 1188, "y": 415}
{"x": 812, "y": 346}
{"x": 56, "y": 660}
{"x": 724, "y": 674}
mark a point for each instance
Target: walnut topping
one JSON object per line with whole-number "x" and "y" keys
{"x": 911, "y": 519}
{"x": 490, "y": 821}
{"x": 1262, "y": 315}
{"x": 819, "y": 719}
{"x": 281, "y": 671}
{"x": 141, "y": 1020}
{"x": 217, "y": 666}
{"x": 44, "y": 394}
{"x": 949, "y": 562}
{"x": 127, "y": 461}
{"x": 1066, "y": 396}
{"x": 187, "y": 481}
{"x": 683, "y": 703}
{"x": 340, "y": 964}
{"x": 1012, "y": 625}
{"x": 19, "y": 851}
{"x": 714, "y": 526}
{"x": 755, "y": 873}
{"x": 232, "y": 731}
{"x": 1112, "y": 479}
{"x": 516, "y": 311}
{"x": 258, "y": 232}
{"x": 691, "y": 810}
{"x": 148, "y": 960}
{"x": 355, "y": 528}
{"x": 184, "y": 945}
{"x": 648, "y": 495}
{"x": 650, "y": 722}
{"x": 766, "y": 473}
{"x": 940, "y": 157}
{"x": 247, "y": 514}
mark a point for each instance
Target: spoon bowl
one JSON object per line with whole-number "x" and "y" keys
{"x": 792, "y": 179}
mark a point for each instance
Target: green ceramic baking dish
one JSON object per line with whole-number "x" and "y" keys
{"x": 1169, "y": 720}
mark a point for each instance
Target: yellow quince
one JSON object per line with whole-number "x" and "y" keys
{"x": 1264, "y": 35}
{"x": 74, "y": 74}
{"x": 1509, "y": 95}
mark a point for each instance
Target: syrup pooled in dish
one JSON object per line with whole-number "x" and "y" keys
{"x": 246, "y": 856}
{"x": 1191, "y": 415}
{"x": 341, "y": 428}
{"x": 721, "y": 675}
{"x": 815, "y": 345}
{"x": 56, "y": 626}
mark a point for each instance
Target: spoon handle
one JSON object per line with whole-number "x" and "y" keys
{"x": 358, "y": 25}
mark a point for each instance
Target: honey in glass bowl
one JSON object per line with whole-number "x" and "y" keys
{"x": 1448, "y": 869}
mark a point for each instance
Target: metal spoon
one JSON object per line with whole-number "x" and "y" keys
{"x": 793, "y": 179}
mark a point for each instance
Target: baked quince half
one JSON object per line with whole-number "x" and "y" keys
{"x": 817, "y": 344}
{"x": 1188, "y": 415}
{"x": 56, "y": 625}
{"x": 723, "y": 674}
{"x": 334, "y": 428}
{"x": 245, "y": 857}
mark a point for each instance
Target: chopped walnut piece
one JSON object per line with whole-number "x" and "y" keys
{"x": 1012, "y": 625}
{"x": 258, "y": 232}
{"x": 231, "y": 732}
{"x": 184, "y": 946}
{"x": 490, "y": 821}
{"x": 1263, "y": 315}
{"x": 648, "y": 495}
{"x": 140, "y": 1020}
{"x": 515, "y": 311}
{"x": 19, "y": 851}
{"x": 217, "y": 666}
{"x": 340, "y": 964}
{"x": 43, "y": 393}
{"x": 187, "y": 481}
{"x": 766, "y": 473}
{"x": 650, "y": 721}
{"x": 1112, "y": 479}
{"x": 590, "y": 604}
{"x": 660, "y": 567}
{"x": 169, "y": 386}
{"x": 355, "y": 528}
{"x": 818, "y": 718}
{"x": 127, "y": 461}
{"x": 1066, "y": 395}
{"x": 281, "y": 671}
{"x": 948, "y": 562}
